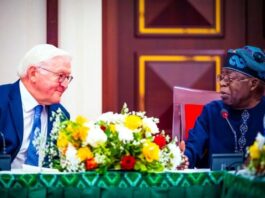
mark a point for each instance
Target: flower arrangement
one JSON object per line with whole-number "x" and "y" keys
{"x": 125, "y": 141}
{"x": 256, "y": 156}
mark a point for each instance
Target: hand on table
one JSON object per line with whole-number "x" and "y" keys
{"x": 185, "y": 161}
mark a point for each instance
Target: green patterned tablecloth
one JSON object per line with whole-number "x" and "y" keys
{"x": 243, "y": 186}
{"x": 112, "y": 184}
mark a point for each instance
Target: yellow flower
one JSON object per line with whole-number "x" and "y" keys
{"x": 133, "y": 122}
{"x": 75, "y": 134}
{"x": 254, "y": 151}
{"x": 83, "y": 133}
{"x": 151, "y": 151}
{"x": 81, "y": 120}
{"x": 69, "y": 127}
{"x": 62, "y": 140}
{"x": 112, "y": 128}
{"x": 84, "y": 153}
{"x": 80, "y": 133}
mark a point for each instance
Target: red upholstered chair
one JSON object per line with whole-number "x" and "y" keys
{"x": 187, "y": 105}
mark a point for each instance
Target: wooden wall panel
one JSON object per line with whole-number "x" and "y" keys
{"x": 180, "y": 18}
{"x": 255, "y": 33}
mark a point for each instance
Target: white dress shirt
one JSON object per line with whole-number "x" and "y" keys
{"x": 28, "y": 104}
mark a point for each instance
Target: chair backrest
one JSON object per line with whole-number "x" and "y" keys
{"x": 187, "y": 105}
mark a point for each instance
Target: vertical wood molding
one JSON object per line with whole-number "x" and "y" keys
{"x": 52, "y": 22}
{"x": 110, "y": 56}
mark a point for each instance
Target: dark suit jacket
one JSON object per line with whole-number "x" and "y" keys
{"x": 11, "y": 117}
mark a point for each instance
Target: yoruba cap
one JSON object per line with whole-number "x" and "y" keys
{"x": 248, "y": 60}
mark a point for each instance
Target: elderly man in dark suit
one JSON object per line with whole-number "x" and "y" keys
{"x": 27, "y": 104}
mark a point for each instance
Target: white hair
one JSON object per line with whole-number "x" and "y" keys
{"x": 37, "y": 54}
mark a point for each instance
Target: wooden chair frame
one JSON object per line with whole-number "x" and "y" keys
{"x": 182, "y": 96}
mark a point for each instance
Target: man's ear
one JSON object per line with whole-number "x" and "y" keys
{"x": 254, "y": 83}
{"x": 31, "y": 73}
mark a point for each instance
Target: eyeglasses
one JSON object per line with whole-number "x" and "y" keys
{"x": 228, "y": 79}
{"x": 61, "y": 77}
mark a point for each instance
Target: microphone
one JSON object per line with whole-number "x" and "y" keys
{"x": 5, "y": 159}
{"x": 225, "y": 115}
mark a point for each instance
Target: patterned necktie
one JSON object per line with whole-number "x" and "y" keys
{"x": 32, "y": 155}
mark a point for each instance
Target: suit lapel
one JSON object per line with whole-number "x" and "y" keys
{"x": 49, "y": 121}
{"x": 15, "y": 106}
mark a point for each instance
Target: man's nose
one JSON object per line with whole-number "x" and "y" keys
{"x": 65, "y": 83}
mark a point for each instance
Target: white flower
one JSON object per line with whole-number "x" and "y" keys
{"x": 110, "y": 117}
{"x": 100, "y": 159}
{"x": 125, "y": 134}
{"x": 125, "y": 108}
{"x": 175, "y": 151}
{"x": 71, "y": 155}
{"x": 95, "y": 136}
{"x": 148, "y": 134}
{"x": 140, "y": 114}
{"x": 106, "y": 117}
{"x": 260, "y": 140}
{"x": 150, "y": 125}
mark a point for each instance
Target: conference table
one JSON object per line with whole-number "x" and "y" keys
{"x": 188, "y": 183}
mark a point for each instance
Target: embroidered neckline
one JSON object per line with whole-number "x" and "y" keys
{"x": 243, "y": 130}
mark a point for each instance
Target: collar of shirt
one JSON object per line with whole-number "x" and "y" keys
{"x": 28, "y": 102}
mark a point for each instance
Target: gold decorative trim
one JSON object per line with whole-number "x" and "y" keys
{"x": 168, "y": 58}
{"x": 179, "y": 31}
